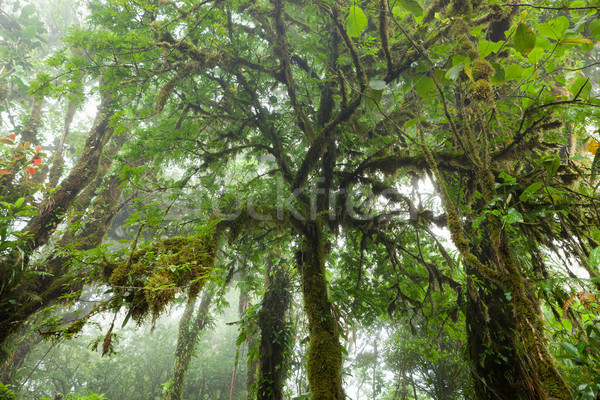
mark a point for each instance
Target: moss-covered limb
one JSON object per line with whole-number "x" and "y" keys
{"x": 457, "y": 233}
{"x": 275, "y": 336}
{"x": 270, "y": 131}
{"x": 384, "y": 35}
{"x": 151, "y": 277}
{"x": 53, "y": 207}
{"x": 336, "y": 14}
{"x": 189, "y": 332}
{"x": 326, "y": 101}
{"x": 435, "y": 7}
{"x": 282, "y": 51}
{"x": 11, "y": 322}
{"x": 321, "y": 143}
{"x": 58, "y": 262}
{"x": 324, "y": 367}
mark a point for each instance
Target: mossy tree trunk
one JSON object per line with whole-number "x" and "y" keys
{"x": 275, "y": 336}
{"x": 53, "y": 208}
{"x": 506, "y": 342}
{"x": 103, "y": 209}
{"x": 324, "y": 368}
{"x": 32, "y": 126}
{"x": 189, "y": 331}
{"x": 61, "y": 280}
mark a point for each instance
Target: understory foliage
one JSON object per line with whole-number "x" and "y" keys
{"x": 424, "y": 168}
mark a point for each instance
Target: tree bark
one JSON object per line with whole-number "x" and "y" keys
{"x": 324, "y": 367}
{"x": 274, "y": 340}
{"x": 60, "y": 281}
{"x": 53, "y": 208}
{"x": 505, "y": 335}
{"x": 189, "y": 331}
{"x": 31, "y": 128}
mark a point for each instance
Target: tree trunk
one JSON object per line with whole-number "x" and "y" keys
{"x": 51, "y": 287}
{"x": 31, "y": 128}
{"x": 17, "y": 358}
{"x": 189, "y": 331}
{"x": 53, "y": 207}
{"x": 274, "y": 340}
{"x": 324, "y": 367}
{"x": 505, "y": 335}
{"x": 57, "y": 160}
{"x": 252, "y": 372}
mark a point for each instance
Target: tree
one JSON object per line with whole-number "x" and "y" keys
{"x": 333, "y": 109}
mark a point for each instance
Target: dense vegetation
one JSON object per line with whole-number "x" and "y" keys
{"x": 404, "y": 196}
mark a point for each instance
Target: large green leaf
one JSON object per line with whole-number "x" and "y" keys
{"x": 513, "y": 71}
{"x": 425, "y": 87}
{"x": 454, "y": 72}
{"x": 412, "y": 6}
{"x": 555, "y": 28}
{"x": 356, "y": 21}
{"x": 524, "y": 40}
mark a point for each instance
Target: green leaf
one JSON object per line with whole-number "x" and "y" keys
{"x": 582, "y": 86}
{"x": 594, "y": 27}
{"x": 241, "y": 338}
{"x": 524, "y": 39}
{"x": 411, "y": 122}
{"x": 594, "y": 259}
{"x": 377, "y": 84}
{"x": 555, "y": 28}
{"x": 530, "y": 191}
{"x": 454, "y": 72}
{"x": 499, "y": 76}
{"x": 412, "y": 6}
{"x": 376, "y": 95}
{"x": 513, "y": 216}
{"x": 571, "y": 349}
{"x": 27, "y": 10}
{"x": 356, "y": 21}
{"x": 551, "y": 164}
{"x": 508, "y": 178}
{"x": 425, "y": 87}
{"x": 29, "y": 32}
{"x": 513, "y": 71}
{"x": 19, "y": 202}
{"x": 486, "y": 48}
{"x": 440, "y": 77}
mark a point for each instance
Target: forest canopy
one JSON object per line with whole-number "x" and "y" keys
{"x": 403, "y": 195}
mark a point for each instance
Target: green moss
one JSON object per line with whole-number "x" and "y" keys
{"x": 324, "y": 366}
{"x": 460, "y": 27}
{"x": 483, "y": 92}
{"x": 75, "y": 327}
{"x": 461, "y": 7}
{"x": 467, "y": 47}
{"x": 150, "y": 279}
{"x": 482, "y": 70}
